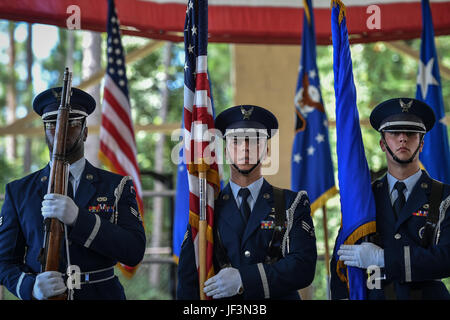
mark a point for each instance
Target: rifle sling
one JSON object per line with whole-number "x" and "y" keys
{"x": 437, "y": 188}
{"x": 274, "y": 250}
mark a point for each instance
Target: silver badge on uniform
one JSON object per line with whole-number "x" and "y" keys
{"x": 1, "y": 221}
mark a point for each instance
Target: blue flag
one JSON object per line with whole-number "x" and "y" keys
{"x": 181, "y": 214}
{"x": 435, "y": 156}
{"x": 312, "y": 167}
{"x": 357, "y": 200}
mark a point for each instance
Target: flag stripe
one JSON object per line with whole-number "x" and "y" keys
{"x": 188, "y": 100}
{"x": 112, "y": 138}
{"x": 114, "y": 127}
{"x": 198, "y": 120}
{"x": 117, "y": 140}
{"x": 113, "y": 96}
{"x": 121, "y": 163}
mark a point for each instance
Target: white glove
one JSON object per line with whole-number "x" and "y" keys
{"x": 60, "y": 207}
{"x": 362, "y": 256}
{"x": 224, "y": 284}
{"x": 48, "y": 284}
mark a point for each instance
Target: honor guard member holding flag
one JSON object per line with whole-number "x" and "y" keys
{"x": 102, "y": 218}
{"x": 264, "y": 242}
{"x": 410, "y": 251}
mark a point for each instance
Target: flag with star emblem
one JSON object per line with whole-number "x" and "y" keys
{"x": 435, "y": 156}
{"x": 312, "y": 167}
{"x": 357, "y": 200}
{"x": 198, "y": 124}
{"x": 117, "y": 142}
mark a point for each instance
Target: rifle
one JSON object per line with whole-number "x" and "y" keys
{"x": 58, "y": 182}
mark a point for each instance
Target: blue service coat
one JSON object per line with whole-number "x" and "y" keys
{"x": 247, "y": 246}
{"x": 94, "y": 241}
{"x": 407, "y": 265}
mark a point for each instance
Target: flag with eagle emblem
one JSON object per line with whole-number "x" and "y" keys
{"x": 312, "y": 168}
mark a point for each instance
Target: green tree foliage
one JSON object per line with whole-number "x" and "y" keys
{"x": 55, "y": 64}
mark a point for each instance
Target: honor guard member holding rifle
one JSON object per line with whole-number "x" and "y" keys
{"x": 102, "y": 218}
{"x": 410, "y": 251}
{"x": 264, "y": 242}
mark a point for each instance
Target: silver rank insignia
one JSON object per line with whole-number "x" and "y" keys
{"x": 405, "y": 106}
{"x": 246, "y": 113}
{"x": 1, "y": 221}
{"x": 135, "y": 213}
{"x": 308, "y": 228}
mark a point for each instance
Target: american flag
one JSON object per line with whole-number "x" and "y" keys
{"x": 117, "y": 142}
{"x": 198, "y": 120}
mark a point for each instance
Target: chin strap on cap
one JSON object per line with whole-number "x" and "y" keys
{"x": 396, "y": 158}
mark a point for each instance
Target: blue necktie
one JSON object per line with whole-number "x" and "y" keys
{"x": 400, "y": 201}
{"x": 245, "y": 208}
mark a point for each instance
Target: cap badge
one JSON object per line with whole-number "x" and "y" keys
{"x": 58, "y": 95}
{"x": 405, "y": 106}
{"x": 246, "y": 113}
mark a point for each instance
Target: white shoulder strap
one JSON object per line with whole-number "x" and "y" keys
{"x": 445, "y": 204}
{"x": 290, "y": 220}
{"x": 118, "y": 193}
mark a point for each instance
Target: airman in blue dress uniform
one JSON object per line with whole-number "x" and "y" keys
{"x": 264, "y": 241}
{"x": 411, "y": 247}
{"x": 103, "y": 222}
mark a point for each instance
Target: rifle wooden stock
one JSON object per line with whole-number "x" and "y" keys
{"x": 58, "y": 181}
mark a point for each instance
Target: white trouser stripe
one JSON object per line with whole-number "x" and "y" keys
{"x": 94, "y": 232}
{"x": 265, "y": 284}
{"x": 19, "y": 283}
{"x": 407, "y": 264}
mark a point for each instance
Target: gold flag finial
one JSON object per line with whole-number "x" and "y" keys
{"x": 342, "y": 9}
{"x": 307, "y": 11}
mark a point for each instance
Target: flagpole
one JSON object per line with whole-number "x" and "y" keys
{"x": 327, "y": 256}
{"x": 202, "y": 226}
